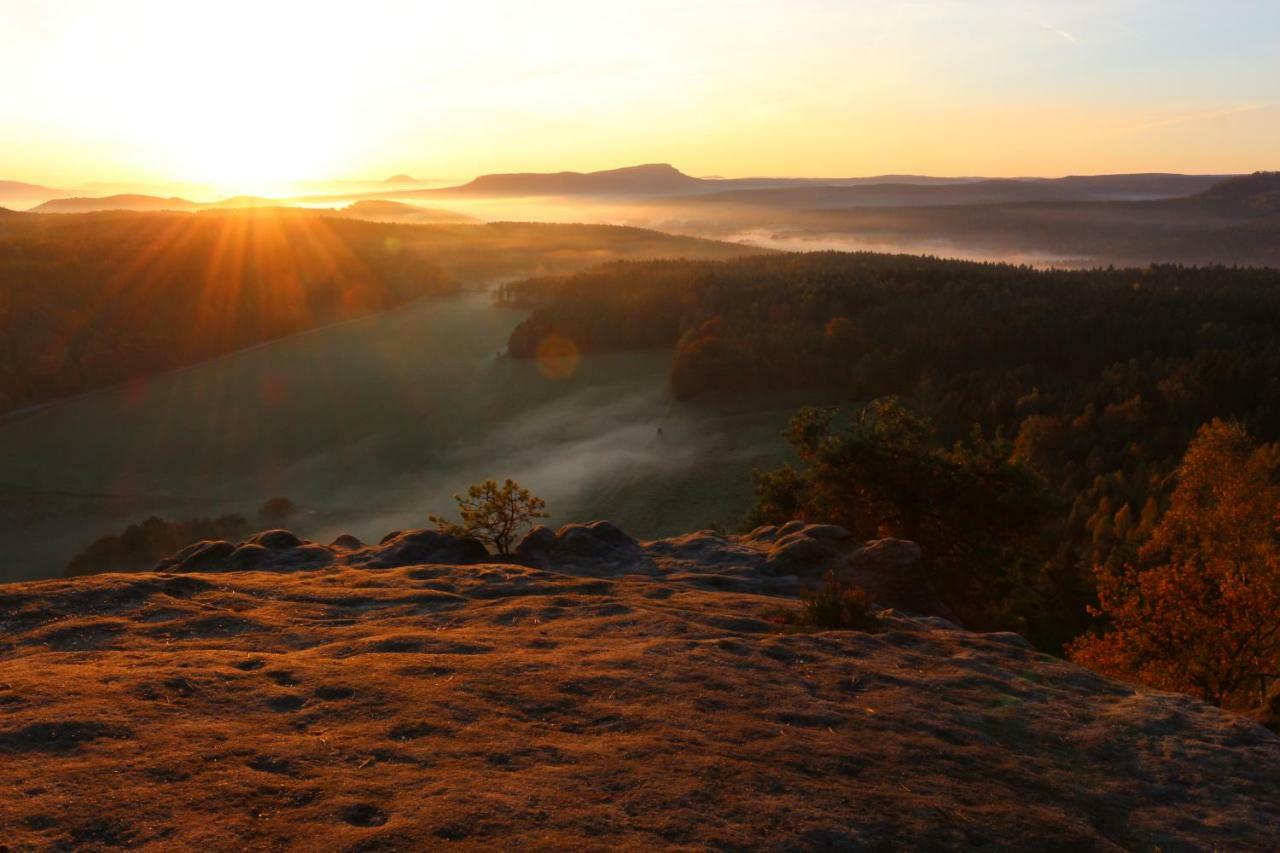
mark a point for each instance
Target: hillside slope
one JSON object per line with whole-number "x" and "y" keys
{"x": 90, "y": 300}
{"x": 621, "y": 694}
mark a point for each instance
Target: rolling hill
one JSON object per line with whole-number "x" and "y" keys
{"x": 18, "y": 191}
{"x": 378, "y": 210}
{"x": 890, "y": 194}
{"x": 126, "y": 201}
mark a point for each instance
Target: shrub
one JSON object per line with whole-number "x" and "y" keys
{"x": 494, "y": 514}
{"x": 836, "y": 604}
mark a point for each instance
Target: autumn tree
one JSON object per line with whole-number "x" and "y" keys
{"x": 494, "y": 514}
{"x": 1199, "y": 612}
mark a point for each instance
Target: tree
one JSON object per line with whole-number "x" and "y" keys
{"x": 1200, "y": 611}
{"x": 493, "y": 514}
{"x": 277, "y": 511}
{"x": 975, "y": 513}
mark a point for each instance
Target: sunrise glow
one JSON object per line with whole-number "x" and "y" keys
{"x": 249, "y": 97}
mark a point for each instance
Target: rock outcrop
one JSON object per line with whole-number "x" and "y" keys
{"x": 599, "y": 693}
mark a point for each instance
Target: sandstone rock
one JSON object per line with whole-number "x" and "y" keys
{"x": 887, "y": 554}
{"x": 789, "y": 528}
{"x": 533, "y": 549}
{"x": 805, "y": 550}
{"x": 249, "y": 555}
{"x": 198, "y": 557}
{"x": 797, "y": 554}
{"x": 275, "y": 539}
{"x": 423, "y": 546}
{"x": 325, "y": 709}
{"x": 830, "y": 533}
{"x": 598, "y": 545}
{"x": 764, "y": 533}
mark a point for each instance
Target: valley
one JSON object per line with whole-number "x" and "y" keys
{"x": 372, "y": 424}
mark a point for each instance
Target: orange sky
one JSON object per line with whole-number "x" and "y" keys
{"x": 249, "y": 96}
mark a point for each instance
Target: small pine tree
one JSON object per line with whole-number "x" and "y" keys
{"x": 494, "y": 514}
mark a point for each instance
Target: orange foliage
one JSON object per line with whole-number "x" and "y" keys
{"x": 1200, "y": 613}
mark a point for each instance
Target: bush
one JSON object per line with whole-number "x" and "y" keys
{"x": 836, "y": 604}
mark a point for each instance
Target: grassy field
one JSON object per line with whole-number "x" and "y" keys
{"x": 373, "y": 424}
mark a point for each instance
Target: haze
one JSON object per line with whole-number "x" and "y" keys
{"x": 254, "y": 97}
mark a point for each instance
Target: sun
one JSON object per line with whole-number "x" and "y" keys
{"x": 253, "y": 157}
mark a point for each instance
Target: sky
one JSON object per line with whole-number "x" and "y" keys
{"x": 249, "y": 96}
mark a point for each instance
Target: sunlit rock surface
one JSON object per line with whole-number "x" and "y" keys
{"x": 600, "y": 693}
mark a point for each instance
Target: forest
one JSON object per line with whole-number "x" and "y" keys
{"x": 91, "y": 300}
{"x": 1045, "y": 414}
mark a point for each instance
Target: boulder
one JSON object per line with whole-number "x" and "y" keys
{"x": 424, "y": 546}
{"x": 198, "y": 557}
{"x": 887, "y": 556}
{"x": 807, "y": 550}
{"x": 248, "y": 557}
{"x": 799, "y": 555}
{"x": 275, "y": 539}
{"x": 597, "y": 545}
{"x": 763, "y": 533}
{"x": 892, "y": 572}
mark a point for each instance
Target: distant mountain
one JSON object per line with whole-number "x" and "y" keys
{"x": 660, "y": 181}
{"x": 401, "y": 179}
{"x": 648, "y": 181}
{"x": 115, "y": 202}
{"x": 376, "y": 210}
{"x": 652, "y": 179}
{"x": 29, "y": 193}
{"x": 989, "y": 191}
{"x": 633, "y": 182}
{"x": 1256, "y": 194}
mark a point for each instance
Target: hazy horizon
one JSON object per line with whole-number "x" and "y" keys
{"x": 256, "y": 98}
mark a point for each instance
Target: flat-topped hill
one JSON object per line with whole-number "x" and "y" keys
{"x": 600, "y": 693}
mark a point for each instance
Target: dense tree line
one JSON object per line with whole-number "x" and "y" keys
{"x": 140, "y": 546}
{"x": 1096, "y": 380}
